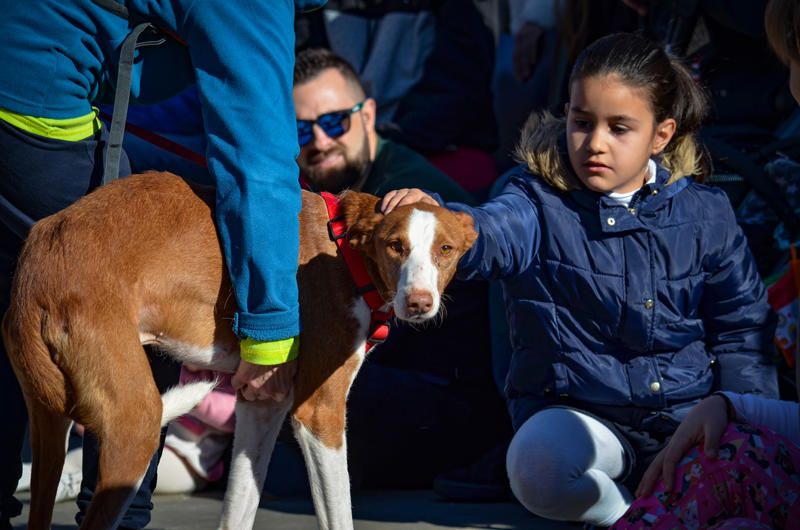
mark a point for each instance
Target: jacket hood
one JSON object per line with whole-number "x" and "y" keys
{"x": 542, "y": 148}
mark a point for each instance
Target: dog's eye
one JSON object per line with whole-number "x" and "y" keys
{"x": 396, "y": 246}
{"x": 446, "y": 249}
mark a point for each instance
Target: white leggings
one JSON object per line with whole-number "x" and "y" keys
{"x": 562, "y": 465}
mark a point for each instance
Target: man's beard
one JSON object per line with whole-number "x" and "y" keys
{"x": 337, "y": 179}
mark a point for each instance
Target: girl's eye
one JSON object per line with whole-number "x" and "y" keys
{"x": 446, "y": 249}
{"x": 396, "y": 246}
{"x": 581, "y": 124}
{"x": 619, "y": 130}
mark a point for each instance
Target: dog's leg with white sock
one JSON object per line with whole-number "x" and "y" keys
{"x": 328, "y": 477}
{"x": 257, "y": 426}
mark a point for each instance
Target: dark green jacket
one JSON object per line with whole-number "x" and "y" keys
{"x": 396, "y": 166}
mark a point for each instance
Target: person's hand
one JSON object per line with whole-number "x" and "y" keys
{"x": 403, "y": 196}
{"x": 526, "y": 50}
{"x": 640, "y": 6}
{"x": 256, "y": 382}
{"x": 706, "y": 423}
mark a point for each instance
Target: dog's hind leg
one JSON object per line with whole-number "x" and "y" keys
{"x": 120, "y": 404}
{"x": 48, "y": 431}
{"x": 257, "y": 426}
{"x": 126, "y": 446}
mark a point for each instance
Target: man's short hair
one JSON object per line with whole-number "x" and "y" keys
{"x": 311, "y": 62}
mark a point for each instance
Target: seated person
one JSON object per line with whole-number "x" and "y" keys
{"x": 737, "y": 456}
{"x": 630, "y": 292}
{"x": 429, "y": 66}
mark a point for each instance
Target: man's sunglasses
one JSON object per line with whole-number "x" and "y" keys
{"x": 334, "y": 124}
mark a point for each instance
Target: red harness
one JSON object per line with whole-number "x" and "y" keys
{"x": 337, "y": 231}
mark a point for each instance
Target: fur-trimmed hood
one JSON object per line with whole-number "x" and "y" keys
{"x": 542, "y": 150}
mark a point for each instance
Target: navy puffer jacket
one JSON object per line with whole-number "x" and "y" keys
{"x": 644, "y": 310}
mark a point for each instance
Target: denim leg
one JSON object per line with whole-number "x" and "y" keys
{"x": 166, "y": 373}
{"x": 15, "y": 416}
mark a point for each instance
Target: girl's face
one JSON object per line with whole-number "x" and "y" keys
{"x": 612, "y": 133}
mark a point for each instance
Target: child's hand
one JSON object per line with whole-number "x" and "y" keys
{"x": 403, "y": 196}
{"x": 706, "y": 422}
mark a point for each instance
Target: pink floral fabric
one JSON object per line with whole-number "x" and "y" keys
{"x": 754, "y": 484}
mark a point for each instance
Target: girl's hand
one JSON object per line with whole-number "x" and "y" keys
{"x": 403, "y": 196}
{"x": 706, "y": 422}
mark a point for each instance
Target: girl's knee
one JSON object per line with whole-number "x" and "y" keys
{"x": 537, "y": 480}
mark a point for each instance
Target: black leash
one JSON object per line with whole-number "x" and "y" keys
{"x": 122, "y": 95}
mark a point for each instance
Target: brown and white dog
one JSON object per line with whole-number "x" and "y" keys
{"x": 138, "y": 262}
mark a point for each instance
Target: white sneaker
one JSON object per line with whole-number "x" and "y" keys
{"x": 24, "y": 483}
{"x": 69, "y": 486}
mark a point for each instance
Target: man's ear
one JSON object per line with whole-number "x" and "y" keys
{"x": 362, "y": 215}
{"x": 369, "y": 113}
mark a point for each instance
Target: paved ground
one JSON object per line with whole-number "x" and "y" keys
{"x": 419, "y": 510}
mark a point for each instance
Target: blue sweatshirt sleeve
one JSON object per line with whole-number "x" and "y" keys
{"x": 243, "y": 57}
{"x": 739, "y": 323}
{"x": 508, "y": 235}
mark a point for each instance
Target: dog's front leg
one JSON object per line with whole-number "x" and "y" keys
{"x": 328, "y": 477}
{"x": 257, "y": 426}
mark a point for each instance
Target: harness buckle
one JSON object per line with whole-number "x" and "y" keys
{"x": 331, "y": 231}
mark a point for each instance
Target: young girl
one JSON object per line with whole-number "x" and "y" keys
{"x": 629, "y": 289}
{"x": 737, "y": 456}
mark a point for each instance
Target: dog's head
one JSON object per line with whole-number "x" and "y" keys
{"x": 414, "y": 249}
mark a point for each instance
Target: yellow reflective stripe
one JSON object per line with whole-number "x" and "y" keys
{"x": 67, "y": 129}
{"x": 269, "y": 352}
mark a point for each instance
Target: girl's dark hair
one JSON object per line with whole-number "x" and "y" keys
{"x": 782, "y": 22}
{"x": 672, "y": 93}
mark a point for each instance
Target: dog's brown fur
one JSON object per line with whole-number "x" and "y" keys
{"x": 139, "y": 261}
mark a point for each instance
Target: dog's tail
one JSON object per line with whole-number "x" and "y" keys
{"x": 32, "y": 359}
{"x": 179, "y": 400}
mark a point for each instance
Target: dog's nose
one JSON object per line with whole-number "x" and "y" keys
{"x": 419, "y": 302}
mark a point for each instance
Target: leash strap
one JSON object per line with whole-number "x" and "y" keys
{"x": 122, "y": 97}
{"x": 337, "y": 231}
{"x": 162, "y": 142}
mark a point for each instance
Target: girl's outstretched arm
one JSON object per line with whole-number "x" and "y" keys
{"x": 508, "y": 229}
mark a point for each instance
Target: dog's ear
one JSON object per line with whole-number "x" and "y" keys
{"x": 470, "y": 235}
{"x": 362, "y": 215}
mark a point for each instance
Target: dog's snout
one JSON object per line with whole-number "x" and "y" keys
{"x": 419, "y": 302}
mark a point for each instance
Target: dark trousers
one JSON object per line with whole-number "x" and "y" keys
{"x": 403, "y": 429}
{"x": 38, "y": 177}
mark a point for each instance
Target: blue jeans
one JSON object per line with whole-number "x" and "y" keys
{"x": 38, "y": 177}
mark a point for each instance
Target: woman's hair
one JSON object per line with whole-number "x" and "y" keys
{"x": 671, "y": 91}
{"x": 782, "y": 22}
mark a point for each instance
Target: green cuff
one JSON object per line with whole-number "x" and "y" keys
{"x": 266, "y": 352}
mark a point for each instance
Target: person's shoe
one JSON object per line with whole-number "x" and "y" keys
{"x": 69, "y": 486}
{"x": 485, "y": 480}
{"x": 24, "y": 483}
